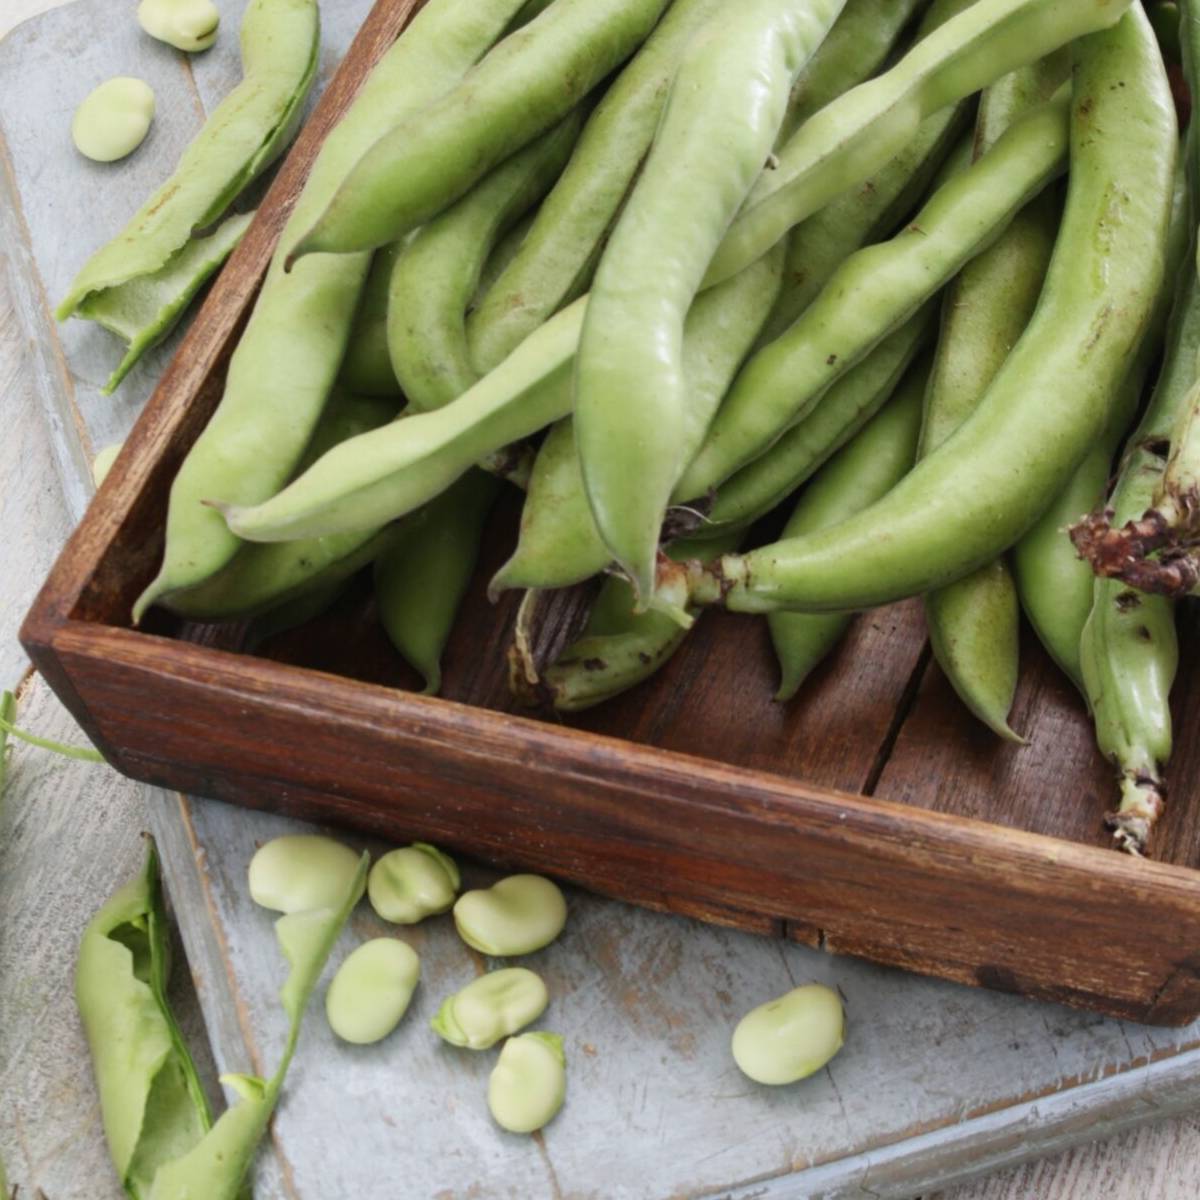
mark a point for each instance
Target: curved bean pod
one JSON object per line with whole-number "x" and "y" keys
{"x": 864, "y": 470}
{"x": 437, "y": 272}
{"x": 1055, "y": 585}
{"x": 555, "y": 262}
{"x": 860, "y": 131}
{"x": 859, "y": 43}
{"x": 620, "y": 648}
{"x": 559, "y": 543}
{"x": 144, "y": 310}
{"x": 245, "y": 133}
{"x": 260, "y": 578}
{"x": 842, "y": 412}
{"x": 283, "y": 368}
{"x": 421, "y": 578}
{"x": 528, "y": 83}
{"x": 725, "y": 107}
{"x": 879, "y": 288}
{"x": 378, "y": 476}
{"x": 974, "y": 623}
{"x": 987, "y": 483}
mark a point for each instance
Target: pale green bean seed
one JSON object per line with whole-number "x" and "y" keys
{"x": 300, "y": 872}
{"x": 102, "y": 463}
{"x": 518, "y": 915}
{"x": 491, "y": 1007}
{"x": 113, "y": 119}
{"x": 189, "y": 25}
{"x": 528, "y": 1084}
{"x": 407, "y": 885}
{"x": 371, "y": 990}
{"x": 790, "y": 1038}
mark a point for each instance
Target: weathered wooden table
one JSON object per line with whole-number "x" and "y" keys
{"x": 937, "y": 1082}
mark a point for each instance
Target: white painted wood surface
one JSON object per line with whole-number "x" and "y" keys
{"x": 936, "y": 1081}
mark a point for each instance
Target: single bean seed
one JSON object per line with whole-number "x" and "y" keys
{"x": 189, "y": 25}
{"x": 528, "y": 1084}
{"x": 102, "y": 463}
{"x": 791, "y": 1038}
{"x": 517, "y": 915}
{"x": 407, "y": 885}
{"x": 113, "y": 119}
{"x": 300, "y": 872}
{"x": 491, "y": 1007}
{"x": 372, "y": 990}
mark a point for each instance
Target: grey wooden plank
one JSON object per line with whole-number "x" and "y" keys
{"x": 933, "y": 1080}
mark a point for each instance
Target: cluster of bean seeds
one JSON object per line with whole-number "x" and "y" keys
{"x": 780, "y": 1042}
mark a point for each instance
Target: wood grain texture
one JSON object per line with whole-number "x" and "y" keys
{"x": 931, "y": 1047}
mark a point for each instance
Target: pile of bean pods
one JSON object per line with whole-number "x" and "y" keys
{"x": 907, "y": 268}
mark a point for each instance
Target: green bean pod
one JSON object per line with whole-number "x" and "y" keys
{"x": 859, "y": 132}
{"x": 437, "y": 272}
{"x": 1056, "y": 585}
{"x": 878, "y": 289}
{"x": 528, "y": 83}
{"x": 974, "y": 623}
{"x": 559, "y": 543}
{"x": 860, "y": 473}
{"x": 555, "y": 262}
{"x": 246, "y": 132}
{"x": 842, "y": 412}
{"x": 288, "y": 356}
{"x": 991, "y": 479}
{"x": 859, "y": 43}
{"x": 367, "y": 367}
{"x": 145, "y": 309}
{"x": 421, "y": 578}
{"x": 260, "y": 578}
{"x": 724, "y": 110}
{"x": 374, "y": 478}
{"x": 620, "y": 648}
{"x": 153, "y": 1105}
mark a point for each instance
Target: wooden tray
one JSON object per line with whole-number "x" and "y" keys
{"x": 870, "y": 817}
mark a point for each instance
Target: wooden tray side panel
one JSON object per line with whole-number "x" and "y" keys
{"x": 930, "y": 893}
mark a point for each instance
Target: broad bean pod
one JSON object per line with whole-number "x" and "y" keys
{"x": 378, "y": 476}
{"x": 860, "y": 42}
{"x": 559, "y": 543}
{"x": 842, "y": 412}
{"x": 861, "y": 130}
{"x": 555, "y": 261}
{"x": 437, "y": 272}
{"x": 620, "y": 648}
{"x": 259, "y": 578}
{"x": 990, "y": 480}
{"x": 1054, "y": 583}
{"x": 878, "y": 289}
{"x": 974, "y": 623}
{"x": 864, "y": 470}
{"x": 288, "y": 356}
{"x": 245, "y": 133}
{"x": 153, "y": 1105}
{"x": 528, "y": 83}
{"x": 422, "y": 577}
{"x": 142, "y": 311}
{"x": 723, "y": 112}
